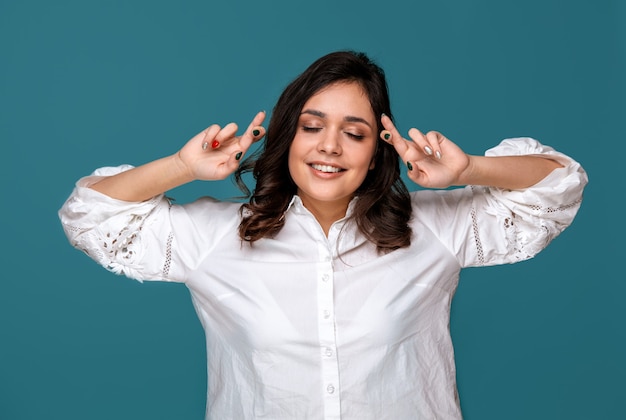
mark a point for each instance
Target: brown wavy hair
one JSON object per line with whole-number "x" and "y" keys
{"x": 383, "y": 209}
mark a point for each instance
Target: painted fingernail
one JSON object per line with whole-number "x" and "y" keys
{"x": 215, "y": 144}
{"x": 238, "y": 155}
{"x": 428, "y": 150}
{"x": 408, "y": 165}
{"x": 256, "y": 132}
{"x": 438, "y": 154}
{"x": 205, "y": 145}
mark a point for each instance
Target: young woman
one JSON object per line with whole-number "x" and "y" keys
{"x": 328, "y": 294}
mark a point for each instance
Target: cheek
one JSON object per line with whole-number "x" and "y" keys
{"x": 293, "y": 159}
{"x": 373, "y": 158}
{"x": 368, "y": 157}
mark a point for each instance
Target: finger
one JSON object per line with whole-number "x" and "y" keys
{"x": 392, "y": 136}
{"x": 224, "y": 135}
{"x": 254, "y": 132}
{"x": 428, "y": 143}
{"x": 408, "y": 151}
{"x": 207, "y": 136}
{"x": 434, "y": 139}
{"x": 233, "y": 161}
{"x": 416, "y": 174}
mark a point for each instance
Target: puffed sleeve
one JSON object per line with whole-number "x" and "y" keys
{"x": 530, "y": 218}
{"x": 129, "y": 238}
{"x": 489, "y": 226}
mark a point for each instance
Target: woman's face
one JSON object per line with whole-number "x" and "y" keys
{"x": 334, "y": 146}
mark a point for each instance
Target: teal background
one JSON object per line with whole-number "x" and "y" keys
{"x": 92, "y": 83}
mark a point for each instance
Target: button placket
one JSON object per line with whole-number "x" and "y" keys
{"x": 326, "y": 328}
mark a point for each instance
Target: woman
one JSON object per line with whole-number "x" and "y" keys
{"x": 328, "y": 294}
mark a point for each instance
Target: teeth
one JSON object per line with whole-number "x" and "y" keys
{"x": 325, "y": 168}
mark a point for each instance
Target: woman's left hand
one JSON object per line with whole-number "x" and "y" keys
{"x": 432, "y": 160}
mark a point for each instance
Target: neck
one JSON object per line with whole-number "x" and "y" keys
{"x": 326, "y": 213}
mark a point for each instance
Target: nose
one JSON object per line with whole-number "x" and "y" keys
{"x": 330, "y": 142}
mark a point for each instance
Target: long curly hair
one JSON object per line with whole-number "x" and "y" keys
{"x": 383, "y": 209}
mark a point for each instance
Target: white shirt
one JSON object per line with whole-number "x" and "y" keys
{"x": 304, "y": 326}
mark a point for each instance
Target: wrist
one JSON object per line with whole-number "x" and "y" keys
{"x": 468, "y": 175}
{"x": 180, "y": 170}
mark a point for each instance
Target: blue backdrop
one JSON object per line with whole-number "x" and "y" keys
{"x": 86, "y": 83}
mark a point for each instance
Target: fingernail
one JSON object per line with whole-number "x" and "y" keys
{"x": 205, "y": 145}
{"x": 384, "y": 115}
{"x": 238, "y": 155}
{"x": 215, "y": 144}
{"x": 428, "y": 150}
{"x": 256, "y": 132}
{"x": 438, "y": 154}
{"x": 408, "y": 165}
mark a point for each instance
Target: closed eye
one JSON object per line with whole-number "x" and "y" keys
{"x": 355, "y": 136}
{"x": 310, "y": 129}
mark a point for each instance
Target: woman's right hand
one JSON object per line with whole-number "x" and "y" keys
{"x": 193, "y": 162}
{"x": 215, "y": 152}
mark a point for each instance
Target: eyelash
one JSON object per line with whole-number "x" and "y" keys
{"x": 317, "y": 129}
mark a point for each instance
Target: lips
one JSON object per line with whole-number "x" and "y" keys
{"x": 326, "y": 168}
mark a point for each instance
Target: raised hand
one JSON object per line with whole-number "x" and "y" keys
{"x": 215, "y": 152}
{"x": 432, "y": 160}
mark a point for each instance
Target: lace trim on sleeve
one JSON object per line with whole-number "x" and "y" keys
{"x": 479, "y": 246}
{"x": 168, "y": 256}
{"x": 546, "y": 210}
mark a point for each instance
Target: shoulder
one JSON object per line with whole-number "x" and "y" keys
{"x": 206, "y": 216}
{"x": 209, "y": 208}
{"x": 427, "y": 204}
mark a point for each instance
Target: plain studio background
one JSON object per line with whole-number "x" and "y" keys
{"x": 90, "y": 83}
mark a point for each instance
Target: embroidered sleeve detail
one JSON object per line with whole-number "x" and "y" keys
{"x": 518, "y": 240}
{"x": 116, "y": 244}
{"x": 119, "y": 252}
{"x": 528, "y": 232}
{"x": 134, "y": 239}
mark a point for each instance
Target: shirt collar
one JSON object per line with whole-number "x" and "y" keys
{"x": 297, "y": 206}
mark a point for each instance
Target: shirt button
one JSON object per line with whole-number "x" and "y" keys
{"x": 325, "y": 278}
{"x": 330, "y": 389}
{"x": 328, "y": 352}
{"x": 326, "y": 314}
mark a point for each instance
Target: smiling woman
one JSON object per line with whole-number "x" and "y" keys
{"x": 383, "y": 221}
{"x": 327, "y": 294}
{"x": 333, "y": 150}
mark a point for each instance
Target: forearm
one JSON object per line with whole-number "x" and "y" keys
{"x": 508, "y": 172}
{"x": 146, "y": 181}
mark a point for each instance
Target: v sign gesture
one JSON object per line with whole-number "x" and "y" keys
{"x": 212, "y": 154}
{"x": 433, "y": 161}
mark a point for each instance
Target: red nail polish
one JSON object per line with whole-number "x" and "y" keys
{"x": 215, "y": 144}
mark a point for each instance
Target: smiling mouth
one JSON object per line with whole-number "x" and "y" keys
{"x": 326, "y": 168}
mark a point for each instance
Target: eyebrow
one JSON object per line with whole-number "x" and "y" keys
{"x": 348, "y": 118}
